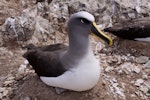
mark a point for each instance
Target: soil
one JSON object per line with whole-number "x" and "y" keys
{"x": 30, "y": 87}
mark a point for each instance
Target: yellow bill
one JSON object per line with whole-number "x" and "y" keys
{"x": 98, "y": 33}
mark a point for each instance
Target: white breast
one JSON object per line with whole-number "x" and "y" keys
{"x": 80, "y": 78}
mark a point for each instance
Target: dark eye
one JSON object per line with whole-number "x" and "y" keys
{"x": 83, "y": 20}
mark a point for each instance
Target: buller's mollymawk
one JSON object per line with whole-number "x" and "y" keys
{"x": 135, "y": 29}
{"x": 74, "y": 67}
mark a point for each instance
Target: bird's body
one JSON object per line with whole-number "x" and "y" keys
{"x": 74, "y": 67}
{"x": 45, "y": 59}
{"x": 83, "y": 74}
{"x": 78, "y": 71}
{"x": 135, "y": 29}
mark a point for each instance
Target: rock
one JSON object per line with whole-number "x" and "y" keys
{"x": 112, "y": 59}
{"x": 34, "y": 40}
{"x": 147, "y": 65}
{"x": 131, "y": 15}
{"x": 10, "y": 53}
{"x": 108, "y": 69}
{"x": 42, "y": 28}
{"x": 139, "y": 82}
{"x": 41, "y": 19}
{"x": 26, "y": 62}
{"x": 19, "y": 28}
{"x": 145, "y": 76}
{"x": 8, "y": 83}
{"x": 143, "y": 89}
{"x": 142, "y": 59}
{"x": 114, "y": 86}
{"x": 133, "y": 95}
{"x": 22, "y": 69}
{"x": 141, "y": 95}
{"x": 1, "y": 96}
{"x": 129, "y": 67}
{"x": 10, "y": 78}
{"x": 5, "y": 92}
{"x": 126, "y": 67}
{"x": 2, "y": 89}
{"x": 132, "y": 82}
{"x": 136, "y": 70}
{"x": 26, "y": 98}
{"x": 19, "y": 77}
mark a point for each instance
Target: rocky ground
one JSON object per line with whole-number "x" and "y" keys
{"x": 125, "y": 65}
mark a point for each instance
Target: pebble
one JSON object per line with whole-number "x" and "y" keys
{"x": 26, "y": 62}
{"x": 126, "y": 67}
{"x": 114, "y": 60}
{"x": 145, "y": 76}
{"x": 133, "y": 95}
{"x": 108, "y": 69}
{"x": 139, "y": 82}
{"x": 10, "y": 53}
{"x": 115, "y": 88}
{"x": 11, "y": 78}
{"x": 137, "y": 70}
{"x": 19, "y": 77}
{"x": 90, "y": 94}
{"x": 147, "y": 65}
{"x": 8, "y": 83}
{"x": 86, "y": 95}
{"x": 5, "y": 92}
{"x": 1, "y": 96}
{"x": 22, "y": 69}
{"x": 143, "y": 89}
{"x": 26, "y": 98}
{"x": 2, "y": 89}
{"x": 132, "y": 82}
{"x": 142, "y": 59}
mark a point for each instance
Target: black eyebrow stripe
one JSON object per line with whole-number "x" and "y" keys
{"x": 84, "y": 20}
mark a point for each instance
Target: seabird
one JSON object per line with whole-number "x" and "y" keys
{"x": 72, "y": 67}
{"x": 135, "y": 29}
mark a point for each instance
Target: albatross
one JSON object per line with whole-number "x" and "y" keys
{"x": 133, "y": 29}
{"x": 72, "y": 67}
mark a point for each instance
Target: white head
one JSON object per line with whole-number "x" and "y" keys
{"x": 81, "y": 24}
{"x": 83, "y": 14}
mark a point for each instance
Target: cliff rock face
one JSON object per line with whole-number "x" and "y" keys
{"x": 43, "y": 18}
